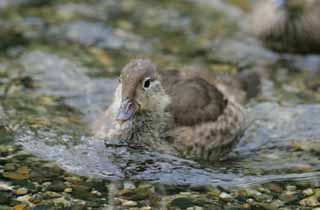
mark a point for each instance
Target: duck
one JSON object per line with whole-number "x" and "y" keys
{"x": 187, "y": 117}
{"x": 287, "y": 26}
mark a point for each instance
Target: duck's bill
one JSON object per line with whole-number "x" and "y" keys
{"x": 126, "y": 110}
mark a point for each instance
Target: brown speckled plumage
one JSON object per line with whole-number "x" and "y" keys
{"x": 211, "y": 140}
{"x": 188, "y": 117}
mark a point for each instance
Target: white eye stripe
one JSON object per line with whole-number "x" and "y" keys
{"x": 147, "y": 78}
{"x": 147, "y": 82}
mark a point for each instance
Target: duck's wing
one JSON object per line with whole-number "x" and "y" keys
{"x": 207, "y": 125}
{"x": 194, "y": 101}
{"x": 211, "y": 140}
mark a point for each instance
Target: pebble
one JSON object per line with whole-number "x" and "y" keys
{"x": 288, "y": 196}
{"x": 22, "y": 191}
{"x": 308, "y": 192}
{"x": 62, "y": 202}
{"x": 95, "y": 192}
{"x": 52, "y": 194}
{"x": 225, "y": 196}
{"x": 266, "y": 206}
{"x": 215, "y": 192}
{"x": 256, "y": 195}
{"x": 291, "y": 188}
{"x": 6, "y": 187}
{"x": 275, "y": 188}
{"x": 25, "y": 198}
{"x": 19, "y": 207}
{"x": 311, "y": 201}
{"x": 246, "y": 206}
{"x": 9, "y": 167}
{"x": 56, "y": 186}
{"x": 146, "y": 208}
{"x": 73, "y": 180}
{"x": 46, "y": 184}
{"x": 140, "y": 193}
{"x": 82, "y": 192}
{"x": 182, "y": 202}
{"x": 7, "y": 148}
{"x": 129, "y": 185}
{"x": 117, "y": 201}
{"x": 129, "y": 203}
{"x": 195, "y": 208}
{"x": 185, "y": 193}
{"x": 68, "y": 190}
{"x": 277, "y": 203}
{"x": 22, "y": 173}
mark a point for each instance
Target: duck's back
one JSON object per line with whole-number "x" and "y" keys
{"x": 194, "y": 101}
{"x": 206, "y": 125}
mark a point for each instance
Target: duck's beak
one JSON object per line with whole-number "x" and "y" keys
{"x": 126, "y": 110}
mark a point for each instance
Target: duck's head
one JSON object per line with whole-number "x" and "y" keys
{"x": 140, "y": 90}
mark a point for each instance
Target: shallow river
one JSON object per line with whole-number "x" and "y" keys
{"x": 58, "y": 67}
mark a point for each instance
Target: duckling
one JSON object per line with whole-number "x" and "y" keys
{"x": 188, "y": 117}
{"x": 287, "y": 26}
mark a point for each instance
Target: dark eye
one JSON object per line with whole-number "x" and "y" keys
{"x": 146, "y": 83}
{"x": 119, "y": 79}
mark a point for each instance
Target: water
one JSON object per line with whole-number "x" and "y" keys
{"x": 264, "y": 154}
{"x": 57, "y": 81}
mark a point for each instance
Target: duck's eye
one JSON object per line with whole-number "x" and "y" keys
{"x": 119, "y": 79}
{"x": 146, "y": 83}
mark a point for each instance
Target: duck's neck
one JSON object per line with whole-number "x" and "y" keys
{"x": 148, "y": 128}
